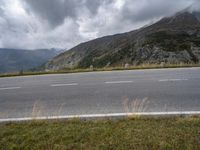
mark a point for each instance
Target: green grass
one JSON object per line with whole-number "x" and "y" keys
{"x": 130, "y": 133}
{"x": 144, "y": 66}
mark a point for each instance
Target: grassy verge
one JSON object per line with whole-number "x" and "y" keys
{"x": 130, "y": 133}
{"x": 144, "y": 66}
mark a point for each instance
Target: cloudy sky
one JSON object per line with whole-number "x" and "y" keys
{"x": 31, "y": 24}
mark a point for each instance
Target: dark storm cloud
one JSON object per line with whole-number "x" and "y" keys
{"x": 65, "y": 23}
{"x": 93, "y": 5}
{"x": 55, "y": 11}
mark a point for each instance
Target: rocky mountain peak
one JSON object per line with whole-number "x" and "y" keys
{"x": 181, "y": 19}
{"x": 185, "y": 18}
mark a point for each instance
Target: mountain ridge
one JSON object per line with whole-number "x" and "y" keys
{"x": 152, "y": 44}
{"x": 14, "y": 60}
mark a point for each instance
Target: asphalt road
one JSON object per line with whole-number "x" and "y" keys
{"x": 162, "y": 90}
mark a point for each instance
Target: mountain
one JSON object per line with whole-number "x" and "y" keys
{"x": 12, "y": 60}
{"x": 174, "y": 39}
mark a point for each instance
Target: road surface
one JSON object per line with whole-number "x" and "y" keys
{"x": 154, "y": 90}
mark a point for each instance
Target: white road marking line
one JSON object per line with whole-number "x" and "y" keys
{"x": 167, "y": 80}
{"x": 58, "y": 85}
{"x": 10, "y": 88}
{"x": 118, "y": 82}
{"x": 104, "y": 115}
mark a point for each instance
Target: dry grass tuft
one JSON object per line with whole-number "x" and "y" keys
{"x": 59, "y": 111}
{"x": 37, "y": 110}
{"x": 135, "y": 106}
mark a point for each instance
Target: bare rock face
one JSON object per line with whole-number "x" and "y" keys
{"x": 172, "y": 40}
{"x": 157, "y": 56}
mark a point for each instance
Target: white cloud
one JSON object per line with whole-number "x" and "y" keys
{"x": 65, "y": 23}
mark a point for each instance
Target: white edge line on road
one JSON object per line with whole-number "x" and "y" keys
{"x": 10, "y": 88}
{"x": 118, "y": 82}
{"x": 167, "y": 80}
{"x": 70, "y": 84}
{"x": 103, "y": 115}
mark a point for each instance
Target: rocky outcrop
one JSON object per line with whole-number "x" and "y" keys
{"x": 158, "y": 56}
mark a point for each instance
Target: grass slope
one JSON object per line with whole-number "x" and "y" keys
{"x": 79, "y": 70}
{"x": 129, "y": 133}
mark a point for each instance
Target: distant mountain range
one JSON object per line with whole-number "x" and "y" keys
{"x": 174, "y": 39}
{"x": 14, "y": 60}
